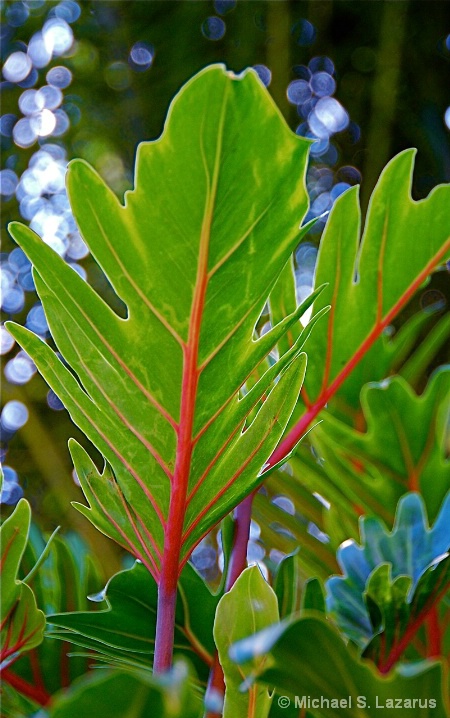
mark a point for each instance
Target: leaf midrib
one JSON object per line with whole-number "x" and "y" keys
{"x": 191, "y": 371}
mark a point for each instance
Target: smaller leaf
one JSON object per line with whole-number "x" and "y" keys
{"x": 286, "y": 585}
{"x": 248, "y": 607}
{"x": 411, "y": 548}
{"x": 62, "y": 582}
{"x": 313, "y": 598}
{"x": 22, "y": 623}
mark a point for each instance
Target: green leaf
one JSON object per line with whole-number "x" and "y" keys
{"x": 313, "y": 598}
{"x": 370, "y": 280}
{"x": 61, "y": 583}
{"x": 192, "y": 256}
{"x": 414, "y": 552}
{"x": 307, "y": 658}
{"x": 124, "y": 632}
{"x": 22, "y": 623}
{"x": 247, "y": 608}
{"x": 286, "y": 585}
{"x": 118, "y": 694}
{"x": 415, "y": 366}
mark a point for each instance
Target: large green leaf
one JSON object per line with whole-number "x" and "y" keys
{"x": 249, "y": 606}
{"x": 307, "y": 659}
{"x": 193, "y": 253}
{"x": 22, "y": 623}
{"x": 124, "y": 632}
{"x": 416, "y": 555}
{"x": 117, "y": 694}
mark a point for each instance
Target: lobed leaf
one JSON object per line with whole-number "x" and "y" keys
{"x": 370, "y": 280}
{"x": 415, "y": 554}
{"x": 192, "y": 255}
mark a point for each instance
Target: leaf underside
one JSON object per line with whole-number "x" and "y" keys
{"x": 193, "y": 253}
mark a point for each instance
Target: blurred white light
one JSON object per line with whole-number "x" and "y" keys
{"x": 20, "y": 369}
{"x": 265, "y": 75}
{"x": 30, "y": 184}
{"x": 23, "y": 133}
{"x": 255, "y": 552}
{"x": 68, "y": 10}
{"x": 142, "y": 54}
{"x": 17, "y": 67}
{"x": 7, "y": 278}
{"x": 38, "y": 52}
{"x": 331, "y": 114}
{"x": 79, "y": 270}
{"x": 77, "y": 248}
{"x": 30, "y": 101}
{"x": 51, "y": 97}
{"x": 447, "y": 117}
{"x": 43, "y": 123}
{"x": 36, "y": 320}
{"x": 59, "y": 77}
{"x": 284, "y": 503}
{"x": 8, "y": 182}
{"x": 6, "y": 341}
{"x": 14, "y": 415}
{"x": 13, "y": 300}
{"x": 62, "y": 123}
{"x": 58, "y": 36}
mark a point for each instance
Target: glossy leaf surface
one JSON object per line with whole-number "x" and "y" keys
{"x": 356, "y": 472}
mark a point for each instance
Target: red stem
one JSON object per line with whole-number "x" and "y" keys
{"x": 398, "y": 648}
{"x": 434, "y": 636}
{"x": 37, "y": 694}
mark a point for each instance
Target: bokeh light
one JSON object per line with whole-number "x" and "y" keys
{"x": 213, "y": 28}
{"x": 264, "y": 74}
{"x": 141, "y": 56}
